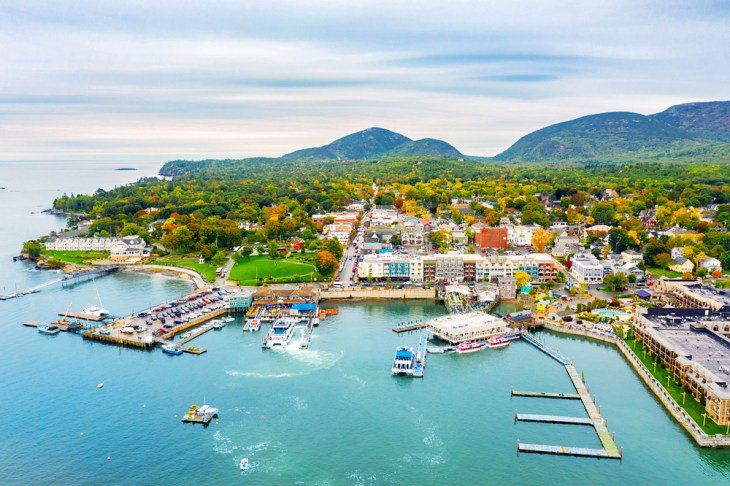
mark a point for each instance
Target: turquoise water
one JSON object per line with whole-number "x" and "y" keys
{"x": 328, "y": 415}
{"x": 612, "y": 313}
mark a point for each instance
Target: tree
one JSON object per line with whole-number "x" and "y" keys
{"x": 219, "y": 259}
{"x": 663, "y": 260}
{"x": 334, "y": 247}
{"x": 521, "y": 278}
{"x": 33, "y": 249}
{"x": 616, "y": 281}
{"x": 542, "y": 238}
{"x": 246, "y": 251}
{"x": 619, "y": 240}
{"x": 395, "y": 240}
{"x": 603, "y": 213}
{"x": 632, "y": 278}
{"x": 325, "y": 262}
{"x": 653, "y": 248}
{"x": 273, "y": 249}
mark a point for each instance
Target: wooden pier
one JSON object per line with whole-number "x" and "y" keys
{"x": 534, "y": 394}
{"x": 81, "y": 316}
{"x": 409, "y": 327}
{"x": 552, "y": 419}
{"x": 195, "y": 334}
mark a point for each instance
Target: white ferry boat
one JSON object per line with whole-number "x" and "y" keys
{"x": 254, "y": 325}
{"x": 497, "y": 342}
{"x": 281, "y": 333}
{"x": 404, "y": 362}
{"x": 470, "y": 347}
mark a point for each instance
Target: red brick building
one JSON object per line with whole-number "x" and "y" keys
{"x": 485, "y": 237}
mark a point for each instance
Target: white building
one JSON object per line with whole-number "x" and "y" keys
{"x": 383, "y": 217}
{"x": 127, "y": 246}
{"x": 711, "y": 264}
{"x": 518, "y": 235}
{"x": 472, "y": 326}
{"x": 340, "y": 231}
{"x": 587, "y": 269}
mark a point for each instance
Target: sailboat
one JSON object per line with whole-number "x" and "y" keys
{"x": 96, "y": 310}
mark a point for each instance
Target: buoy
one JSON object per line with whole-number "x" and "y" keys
{"x": 81, "y": 433}
{"x": 262, "y": 417}
{"x": 144, "y": 405}
{"x": 108, "y": 458}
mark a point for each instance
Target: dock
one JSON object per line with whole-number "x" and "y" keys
{"x": 307, "y": 336}
{"x": 81, "y": 316}
{"x": 552, "y": 419}
{"x": 563, "y": 450}
{"x": 194, "y": 350}
{"x": 191, "y": 417}
{"x": 411, "y": 326}
{"x": 534, "y": 394}
{"x": 195, "y": 334}
{"x": 32, "y": 323}
{"x": 609, "y": 449}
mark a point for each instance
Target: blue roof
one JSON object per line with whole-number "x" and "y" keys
{"x": 644, "y": 294}
{"x": 309, "y": 306}
{"x": 403, "y": 354}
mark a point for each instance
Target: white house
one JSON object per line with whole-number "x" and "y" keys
{"x": 711, "y": 264}
{"x": 587, "y": 269}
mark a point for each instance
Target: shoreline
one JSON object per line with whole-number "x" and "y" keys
{"x": 671, "y": 406}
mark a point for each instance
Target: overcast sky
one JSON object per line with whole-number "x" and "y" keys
{"x": 157, "y": 80}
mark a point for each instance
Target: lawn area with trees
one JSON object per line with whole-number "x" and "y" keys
{"x": 259, "y": 269}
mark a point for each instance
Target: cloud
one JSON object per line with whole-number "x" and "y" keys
{"x": 166, "y": 79}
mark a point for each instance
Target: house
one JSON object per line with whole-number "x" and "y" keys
{"x": 485, "y": 237}
{"x": 631, "y": 256}
{"x": 459, "y": 237}
{"x": 711, "y": 264}
{"x": 682, "y": 265}
{"x": 565, "y": 244}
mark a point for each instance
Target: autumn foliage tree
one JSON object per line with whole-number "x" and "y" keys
{"x": 325, "y": 262}
{"x": 542, "y": 238}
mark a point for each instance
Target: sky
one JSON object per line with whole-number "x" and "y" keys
{"x": 160, "y": 80}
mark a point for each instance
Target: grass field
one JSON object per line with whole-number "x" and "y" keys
{"x": 207, "y": 270}
{"x": 663, "y": 272}
{"x": 255, "y": 270}
{"x": 75, "y": 257}
{"x": 694, "y": 408}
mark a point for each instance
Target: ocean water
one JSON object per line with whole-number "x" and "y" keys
{"x": 331, "y": 414}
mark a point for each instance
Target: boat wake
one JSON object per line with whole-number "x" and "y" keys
{"x": 263, "y": 376}
{"x": 315, "y": 358}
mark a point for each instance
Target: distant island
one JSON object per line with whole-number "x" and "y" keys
{"x": 125, "y": 168}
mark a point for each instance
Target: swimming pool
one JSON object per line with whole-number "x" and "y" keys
{"x": 613, "y": 314}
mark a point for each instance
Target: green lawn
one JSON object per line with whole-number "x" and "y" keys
{"x": 207, "y": 270}
{"x": 694, "y": 408}
{"x": 75, "y": 257}
{"x": 663, "y": 272}
{"x": 255, "y": 270}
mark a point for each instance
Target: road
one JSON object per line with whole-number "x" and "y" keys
{"x": 221, "y": 279}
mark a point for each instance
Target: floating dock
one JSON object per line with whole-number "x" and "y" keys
{"x": 563, "y": 450}
{"x": 191, "y": 417}
{"x": 609, "y": 449}
{"x": 534, "y": 394}
{"x": 307, "y": 336}
{"x": 411, "y": 326}
{"x": 552, "y": 419}
{"x": 194, "y": 350}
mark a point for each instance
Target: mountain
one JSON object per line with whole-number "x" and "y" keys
{"x": 373, "y": 143}
{"x": 708, "y": 120}
{"x": 685, "y": 128}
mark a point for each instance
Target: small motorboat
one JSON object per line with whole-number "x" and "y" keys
{"x": 49, "y": 329}
{"x": 244, "y": 464}
{"x": 497, "y": 342}
{"x": 218, "y": 325}
{"x": 104, "y": 331}
{"x": 470, "y": 347}
{"x": 172, "y": 349}
{"x": 436, "y": 349}
{"x": 100, "y": 385}
{"x": 254, "y": 325}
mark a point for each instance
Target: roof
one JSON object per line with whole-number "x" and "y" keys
{"x": 644, "y": 294}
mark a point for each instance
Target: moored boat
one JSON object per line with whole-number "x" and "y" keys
{"x": 280, "y": 335}
{"x": 404, "y": 362}
{"x": 497, "y": 342}
{"x": 49, "y": 329}
{"x": 244, "y": 464}
{"x": 254, "y": 325}
{"x": 470, "y": 347}
{"x": 172, "y": 349}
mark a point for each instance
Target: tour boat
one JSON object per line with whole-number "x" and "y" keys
{"x": 244, "y": 464}
{"x": 281, "y": 333}
{"x": 469, "y": 347}
{"x": 254, "y": 325}
{"x": 172, "y": 349}
{"x": 207, "y": 412}
{"x": 404, "y": 362}
{"x": 496, "y": 342}
{"x": 51, "y": 329}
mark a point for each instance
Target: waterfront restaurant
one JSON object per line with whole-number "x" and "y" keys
{"x": 472, "y": 326}
{"x": 690, "y": 344}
